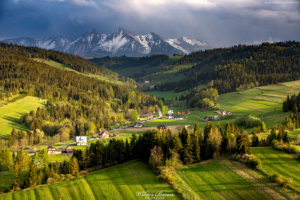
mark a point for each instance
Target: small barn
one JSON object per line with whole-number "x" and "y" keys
{"x": 137, "y": 125}
{"x": 161, "y": 127}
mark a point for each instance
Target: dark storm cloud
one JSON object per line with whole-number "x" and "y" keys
{"x": 220, "y": 22}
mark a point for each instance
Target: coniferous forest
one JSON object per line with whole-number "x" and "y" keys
{"x": 240, "y": 67}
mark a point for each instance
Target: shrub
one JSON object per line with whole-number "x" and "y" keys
{"x": 276, "y": 178}
{"x": 254, "y": 163}
{"x": 287, "y": 182}
{"x": 175, "y": 187}
{"x": 298, "y": 156}
{"x": 68, "y": 176}
{"x": 274, "y": 142}
{"x": 248, "y": 121}
{"x": 166, "y": 175}
{"x": 179, "y": 191}
{"x": 293, "y": 149}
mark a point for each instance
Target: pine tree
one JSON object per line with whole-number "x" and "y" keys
{"x": 16, "y": 180}
{"x": 32, "y": 176}
{"x": 263, "y": 127}
{"x": 244, "y": 144}
{"x": 188, "y": 154}
{"x": 197, "y": 148}
{"x": 22, "y": 160}
{"x": 220, "y": 128}
{"x": 74, "y": 167}
{"x": 255, "y": 140}
{"x": 176, "y": 144}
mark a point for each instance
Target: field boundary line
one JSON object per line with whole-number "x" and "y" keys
{"x": 263, "y": 111}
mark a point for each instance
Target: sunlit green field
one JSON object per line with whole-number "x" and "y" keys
{"x": 11, "y": 113}
{"x": 280, "y": 162}
{"x": 6, "y": 179}
{"x": 119, "y": 182}
{"x": 225, "y": 179}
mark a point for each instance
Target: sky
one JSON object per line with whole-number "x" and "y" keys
{"x": 219, "y": 22}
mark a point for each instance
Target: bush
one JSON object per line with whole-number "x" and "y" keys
{"x": 179, "y": 191}
{"x": 287, "y": 182}
{"x": 166, "y": 175}
{"x": 276, "y": 178}
{"x": 254, "y": 163}
{"x": 293, "y": 149}
{"x": 175, "y": 187}
{"x": 248, "y": 121}
{"x": 274, "y": 142}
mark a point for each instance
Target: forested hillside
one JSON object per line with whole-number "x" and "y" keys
{"x": 240, "y": 67}
{"x": 75, "y": 62}
{"x": 74, "y": 99}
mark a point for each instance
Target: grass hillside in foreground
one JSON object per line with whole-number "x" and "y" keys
{"x": 11, "y": 113}
{"x": 279, "y": 162}
{"x": 120, "y": 182}
{"x": 67, "y": 67}
{"x": 226, "y": 179}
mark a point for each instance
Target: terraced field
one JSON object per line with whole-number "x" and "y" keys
{"x": 274, "y": 161}
{"x": 11, "y": 113}
{"x": 226, "y": 179}
{"x": 119, "y": 182}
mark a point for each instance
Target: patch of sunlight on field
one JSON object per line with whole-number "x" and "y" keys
{"x": 11, "y": 113}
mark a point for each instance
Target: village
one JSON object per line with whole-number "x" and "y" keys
{"x": 142, "y": 118}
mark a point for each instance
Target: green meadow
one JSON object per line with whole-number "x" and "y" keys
{"x": 278, "y": 162}
{"x": 11, "y": 113}
{"x": 119, "y": 182}
{"x": 264, "y": 102}
{"x": 225, "y": 179}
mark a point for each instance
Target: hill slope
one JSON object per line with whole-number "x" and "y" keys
{"x": 120, "y": 182}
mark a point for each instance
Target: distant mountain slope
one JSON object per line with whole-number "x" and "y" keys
{"x": 121, "y": 42}
{"x": 55, "y": 43}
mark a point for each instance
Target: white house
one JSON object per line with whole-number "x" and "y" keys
{"x": 146, "y": 81}
{"x": 81, "y": 140}
{"x": 170, "y": 112}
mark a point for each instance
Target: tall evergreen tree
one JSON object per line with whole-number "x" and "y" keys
{"x": 16, "y": 180}
{"x": 188, "y": 151}
{"x": 74, "y": 167}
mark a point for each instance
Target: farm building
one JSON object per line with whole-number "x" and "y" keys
{"x": 188, "y": 112}
{"x": 228, "y": 113}
{"x": 223, "y": 112}
{"x": 208, "y": 119}
{"x": 169, "y": 116}
{"x": 103, "y": 134}
{"x": 170, "y": 112}
{"x": 138, "y": 125}
{"x": 147, "y": 116}
{"x": 81, "y": 140}
{"x": 116, "y": 135}
{"x": 216, "y": 117}
{"x": 53, "y": 150}
{"x": 178, "y": 117}
{"x": 183, "y": 112}
{"x": 161, "y": 127}
{"x": 179, "y": 113}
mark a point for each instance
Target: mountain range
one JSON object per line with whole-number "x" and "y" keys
{"x": 121, "y": 42}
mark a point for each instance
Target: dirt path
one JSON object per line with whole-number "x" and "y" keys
{"x": 263, "y": 111}
{"x": 148, "y": 128}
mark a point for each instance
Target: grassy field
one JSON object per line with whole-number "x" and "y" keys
{"x": 119, "y": 182}
{"x": 282, "y": 163}
{"x": 226, "y": 179}
{"x": 6, "y": 179}
{"x": 11, "y": 113}
{"x": 67, "y": 67}
{"x": 264, "y": 102}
